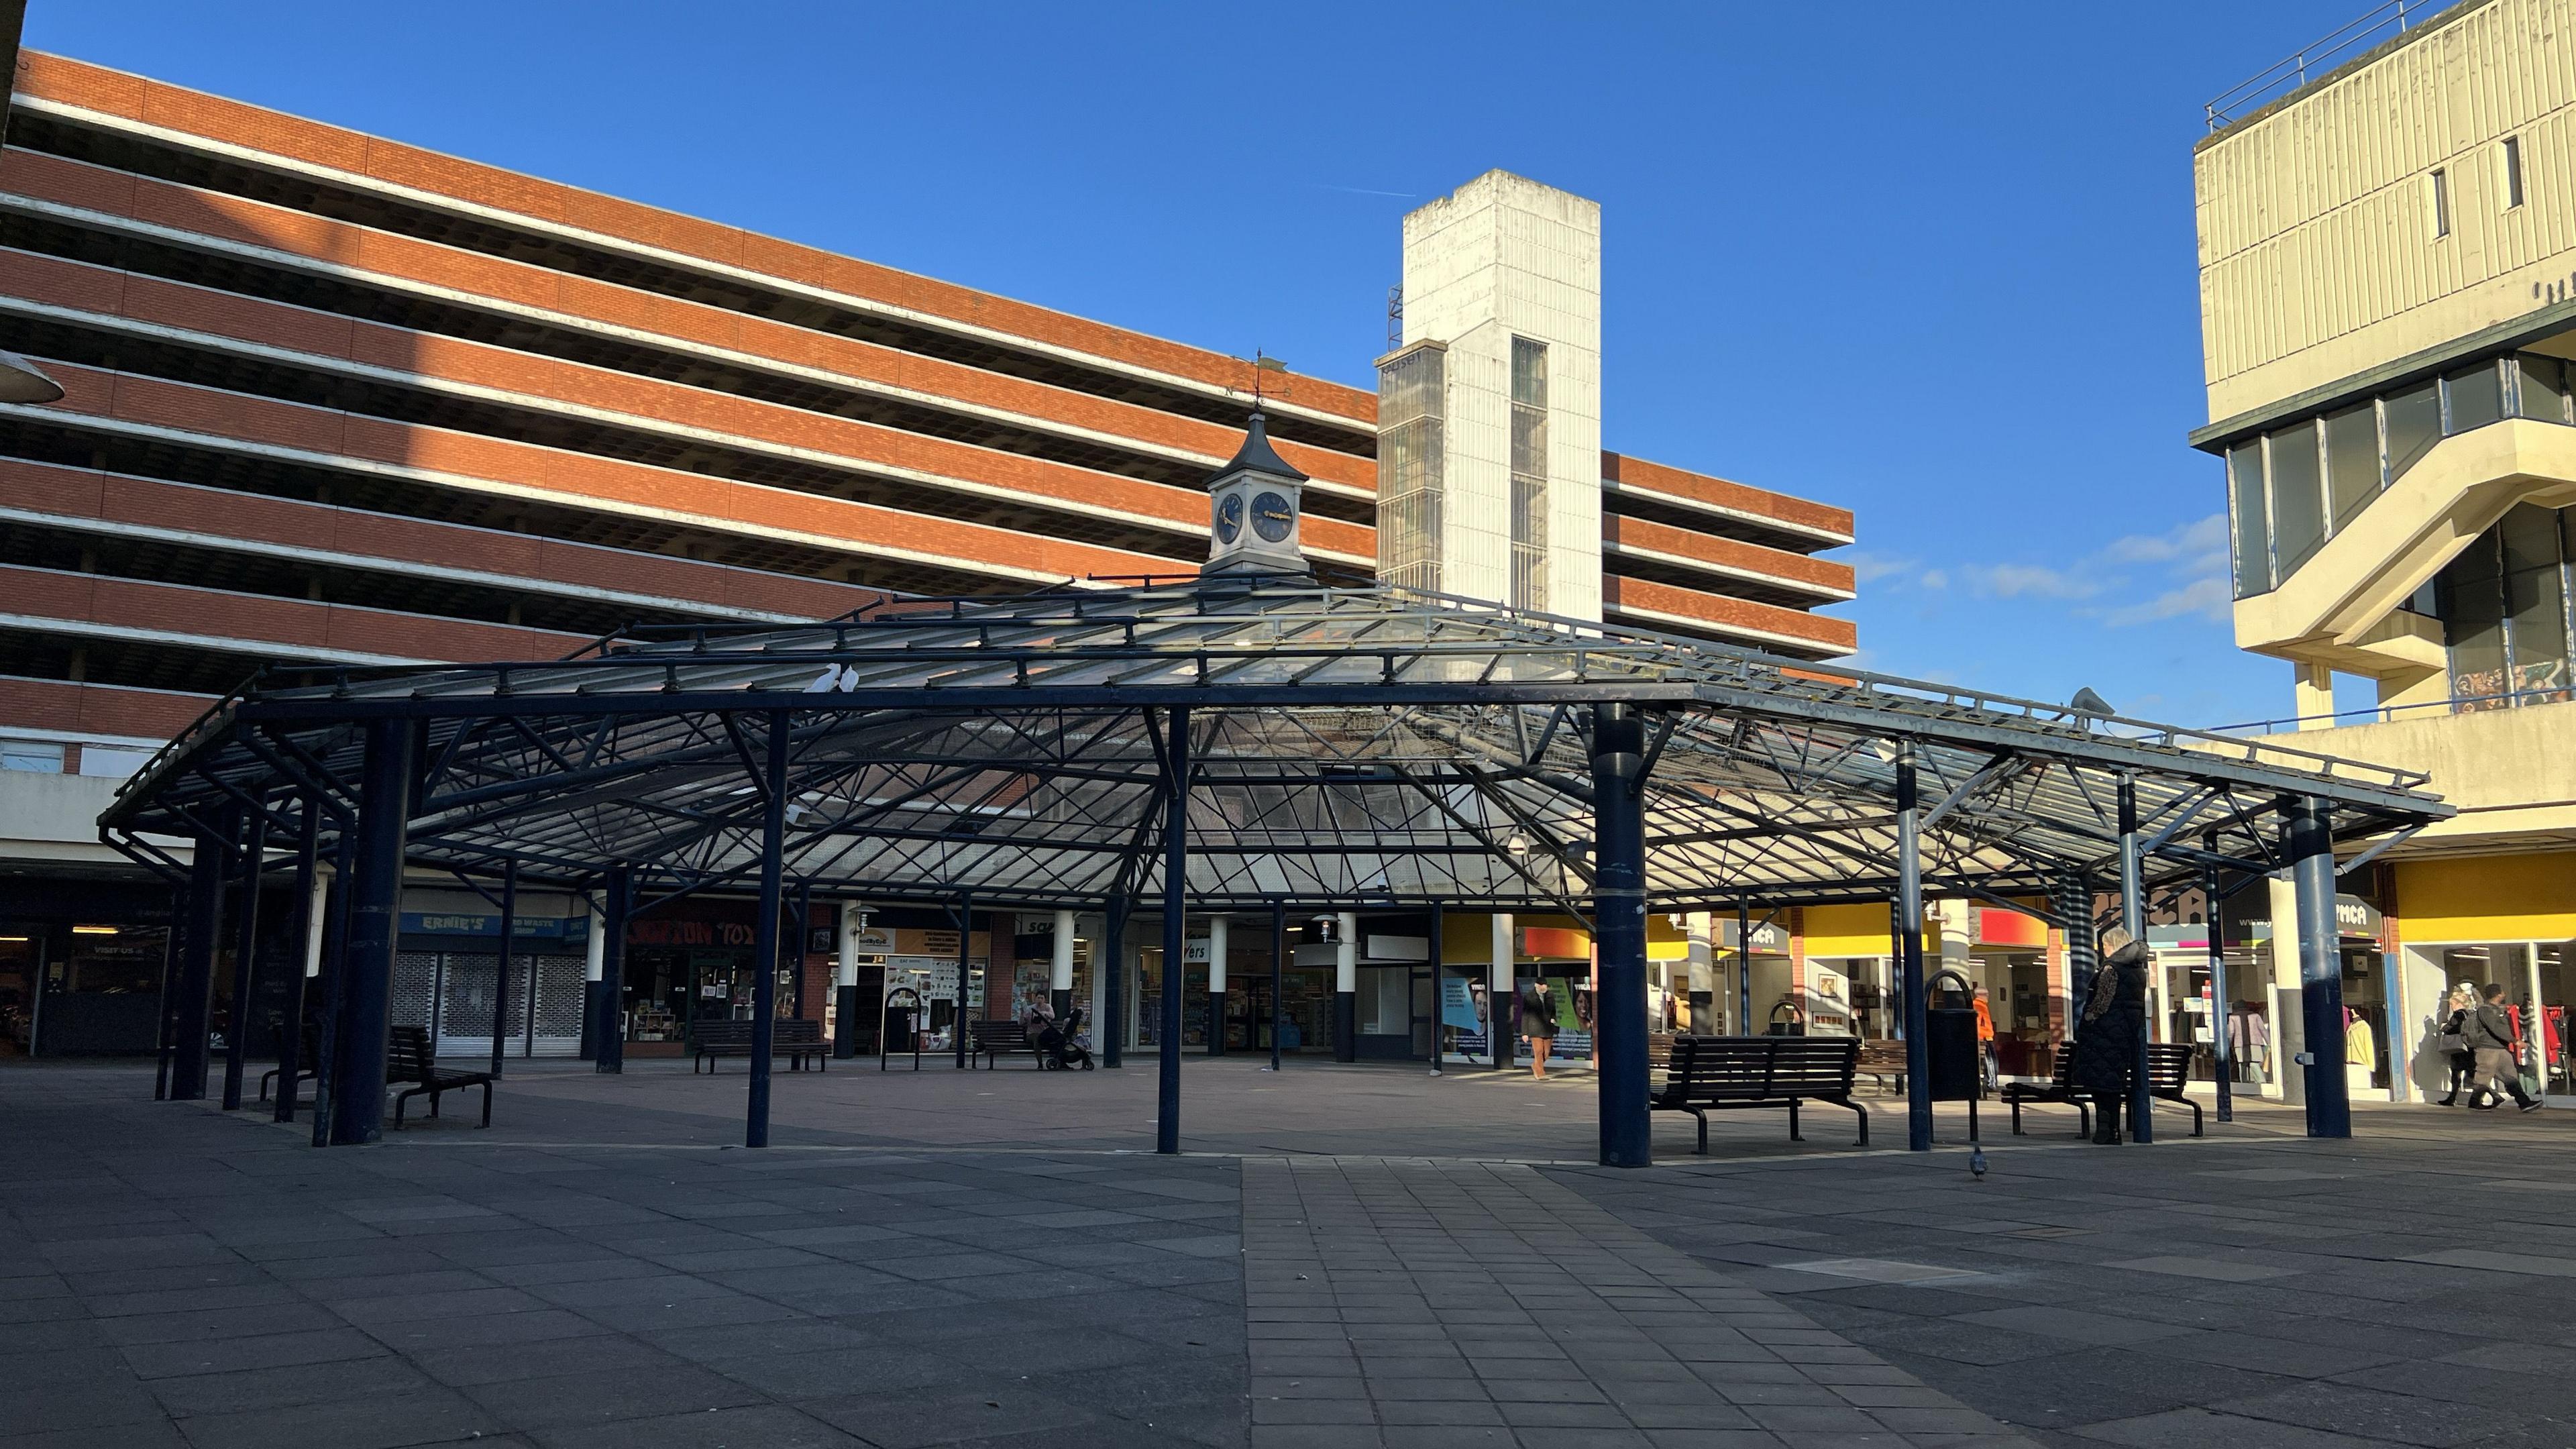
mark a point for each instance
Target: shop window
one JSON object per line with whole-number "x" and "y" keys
{"x": 2471, "y": 596}
{"x": 2414, "y": 419}
{"x": 2253, "y": 521}
{"x": 2540, "y": 388}
{"x": 37, "y": 756}
{"x": 2298, "y": 504}
{"x": 2474, "y": 397}
{"x": 2352, "y": 460}
{"x": 2535, "y": 604}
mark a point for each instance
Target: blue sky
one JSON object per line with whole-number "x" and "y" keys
{"x": 1934, "y": 263}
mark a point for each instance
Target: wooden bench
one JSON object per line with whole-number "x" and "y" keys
{"x": 409, "y": 1060}
{"x": 1731, "y": 1073}
{"x": 2168, "y": 1074}
{"x": 1883, "y": 1061}
{"x": 788, "y": 1037}
{"x": 994, "y": 1040}
{"x": 308, "y": 1055}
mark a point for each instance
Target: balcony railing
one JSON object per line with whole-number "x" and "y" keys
{"x": 2390, "y": 713}
{"x": 2310, "y": 61}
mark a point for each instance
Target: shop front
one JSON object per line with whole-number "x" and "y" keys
{"x": 81, "y": 968}
{"x": 446, "y": 973}
{"x": 2508, "y": 921}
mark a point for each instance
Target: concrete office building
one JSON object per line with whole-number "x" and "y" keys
{"x": 333, "y": 399}
{"x": 2388, "y": 307}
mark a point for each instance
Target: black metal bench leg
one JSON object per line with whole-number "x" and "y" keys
{"x": 1703, "y": 1131}
{"x": 1793, "y": 1121}
{"x": 1863, "y": 1113}
{"x": 487, "y": 1104}
{"x": 2015, "y": 1104}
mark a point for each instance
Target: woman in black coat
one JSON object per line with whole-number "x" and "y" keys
{"x": 2106, "y": 1041}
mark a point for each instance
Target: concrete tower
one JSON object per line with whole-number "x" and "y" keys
{"x": 1489, "y": 415}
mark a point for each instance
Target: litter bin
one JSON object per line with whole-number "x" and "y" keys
{"x": 1953, "y": 1069}
{"x": 902, "y": 1027}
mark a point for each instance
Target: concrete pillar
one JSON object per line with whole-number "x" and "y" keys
{"x": 1701, "y": 989}
{"x": 846, "y": 1006}
{"x": 2313, "y": 692}
{"x": 594, "y": 967}
{"x": 1217, "y": 943}
{"x": 2284, "y": 1081}
{"x": 1060, "y": 966}
{"x": 1346, "y": 986}
{"x": 608, "y": 998}
{"x": 1500, "y": 986}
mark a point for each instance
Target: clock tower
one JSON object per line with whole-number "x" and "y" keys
{"x": 1255, "y": 502}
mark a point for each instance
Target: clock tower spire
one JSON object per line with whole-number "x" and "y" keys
{"x": 1256, "y": 501}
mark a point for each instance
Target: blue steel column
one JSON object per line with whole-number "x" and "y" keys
{"x": 965, "y": 967}
{"x": 794, "y": 943}
{"x": 501, "y": 961}
{"x": 764, "y": 938}
{"x": 1619, "y": 930}
{"x": 2219, "y": 1044}
{"x": 367, "y": 973}
{"x": 2133, "y": 917}
{"x": 1278, "y": 974}
{"x": 1113, "y": 988}
{"x": 335, "y": 970}
{"x": 1176, "y": 867}
{"x": 1743, "y": 969}
{"x": 608, "y": 1035}
{"x": 290, "y": 1041}
{"x": 2312, "y": 876}
{"x": 193, "y": 1012}
{"x": 245, "y": 955}
{"x": 1909, "y": 910}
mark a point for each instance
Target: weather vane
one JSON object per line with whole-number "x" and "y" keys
{"x": 1263, "y": 362}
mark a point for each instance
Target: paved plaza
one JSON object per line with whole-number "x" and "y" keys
{"x": 1347, "y": 1256}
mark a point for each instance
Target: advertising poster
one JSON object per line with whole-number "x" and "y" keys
{"x": 1465, "y": 1008}
{"x": 1571, "y": 991}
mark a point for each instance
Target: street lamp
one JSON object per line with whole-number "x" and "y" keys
{"x": 22, "y": 382}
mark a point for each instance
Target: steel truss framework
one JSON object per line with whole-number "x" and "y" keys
{"x": 1349, "y": 747}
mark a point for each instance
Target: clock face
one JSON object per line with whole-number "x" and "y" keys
{"x": 1271, "y": 517}
{"x": 1229, "y": 517}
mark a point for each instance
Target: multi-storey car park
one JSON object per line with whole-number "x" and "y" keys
{"x": 333, "y": 398}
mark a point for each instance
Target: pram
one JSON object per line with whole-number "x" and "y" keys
{"x": 1055, "y": 1040}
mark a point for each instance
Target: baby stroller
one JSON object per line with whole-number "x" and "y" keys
{"x": 1055, "y": 1041}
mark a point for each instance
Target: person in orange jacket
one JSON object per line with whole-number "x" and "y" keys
{"x": 1986, "y": 1036}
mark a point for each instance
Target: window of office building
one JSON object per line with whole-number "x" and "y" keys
{"x": 2503, "y": 606}
{"x": 1529, "y": 474}
{"x": 1412, "y": 399}
{"x": 2441, "y": 204}
{"x": 2512, "y": 152}
{"x": 2295, "y": 487}
{"x": 39, "y": 756}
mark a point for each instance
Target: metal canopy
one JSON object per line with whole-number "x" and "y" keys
{"x": 1349, "y": 747}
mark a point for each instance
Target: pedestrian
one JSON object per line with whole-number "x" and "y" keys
{"x": 1985, "y": 1037}
{"x": 2451, "y": 1039}
{"x": 2106, "y": 1041}
{"x": 1538, "y": 1023}
{"x": 2489, "y": 1034}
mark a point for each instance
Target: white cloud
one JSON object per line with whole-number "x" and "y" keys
{"x": 1868, "y": 566}
{"x": 2205, "y": 599}
{"x": 1934, "y": 579}
{"x": 2190, "y": 545}
{"x": 2013, "y": 581}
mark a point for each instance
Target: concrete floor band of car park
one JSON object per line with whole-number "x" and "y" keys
{"x": 1223, "y": 742}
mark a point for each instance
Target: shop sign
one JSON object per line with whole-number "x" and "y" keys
{"x": 1397, "y": 948}
{"x": 1770, "y": 936}
{"x": 821, "y": 941}
{"x": 1195, "y": 951}
{"x": 452, "y": 923}
{"x": 1556, "y": 943}
{"x": 650, "y": 932}
{"x": 874, "y": 940}
{"x": 2356, "y": 917}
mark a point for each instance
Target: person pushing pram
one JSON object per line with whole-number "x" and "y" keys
{"x": 1057, "y": 1042}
